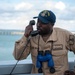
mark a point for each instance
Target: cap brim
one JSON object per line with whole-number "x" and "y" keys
{"x": 42, "y": 19}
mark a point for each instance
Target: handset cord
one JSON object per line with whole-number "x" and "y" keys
{"x": 28, "y": 40}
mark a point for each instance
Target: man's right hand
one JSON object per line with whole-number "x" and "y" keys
{"x": 28, "y": 30}
{"x": 69, "y": 72}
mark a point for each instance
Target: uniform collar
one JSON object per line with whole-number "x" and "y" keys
{"x": 53, "y": 36}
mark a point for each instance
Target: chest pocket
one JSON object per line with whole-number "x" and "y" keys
{"x": 59, "y": 57}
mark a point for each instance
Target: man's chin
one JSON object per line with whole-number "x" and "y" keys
{"x": 42, "y": 33}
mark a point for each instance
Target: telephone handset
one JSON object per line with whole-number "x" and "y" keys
{"x": 33, "y": 33}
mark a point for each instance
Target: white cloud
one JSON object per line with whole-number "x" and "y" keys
{"x": 69, "y": 25}
{"x": 49, "y": 5}
{"x": 15, "y": 23}
{"x": 23, "y": 6}
{"x": 60, "y": 5}
{"x": 54, "y": 5}
{"x": 17, "y": 15}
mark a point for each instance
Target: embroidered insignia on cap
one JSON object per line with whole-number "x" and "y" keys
{"x": 45, "y": 13}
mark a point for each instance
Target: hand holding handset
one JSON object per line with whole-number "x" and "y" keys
{"x": 29, "y": 29}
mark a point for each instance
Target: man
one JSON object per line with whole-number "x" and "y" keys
{"x": 49, "y": 49}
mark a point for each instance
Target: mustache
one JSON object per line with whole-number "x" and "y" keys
{"x": 38, "y": 28}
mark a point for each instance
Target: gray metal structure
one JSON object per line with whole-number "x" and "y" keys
{"x": 22, "y": 68}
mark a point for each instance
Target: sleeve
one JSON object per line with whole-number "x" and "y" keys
{"x": 20, "y": 52}
{"x": 71, "y": 42}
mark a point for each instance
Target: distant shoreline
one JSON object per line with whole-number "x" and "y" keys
{"x": 15, "y": 32}
{"x": 11, "y": 32}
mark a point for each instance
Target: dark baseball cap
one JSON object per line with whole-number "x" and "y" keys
{"x": 46, "y": 16}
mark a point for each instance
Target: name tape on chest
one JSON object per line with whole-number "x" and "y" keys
{"x": 57, "y": 47}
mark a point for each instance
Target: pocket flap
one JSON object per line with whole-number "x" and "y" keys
{"x": 59, "y": 52}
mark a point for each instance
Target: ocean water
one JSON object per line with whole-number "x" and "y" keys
{"x": 7, "y": 46}
{"x": 7, "y": 41}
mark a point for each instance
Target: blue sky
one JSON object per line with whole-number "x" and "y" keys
{"x": 16, "y": 14}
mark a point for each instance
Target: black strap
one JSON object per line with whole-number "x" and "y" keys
{"x": 38, "y": 42}
{"x": 51, "y": 46}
